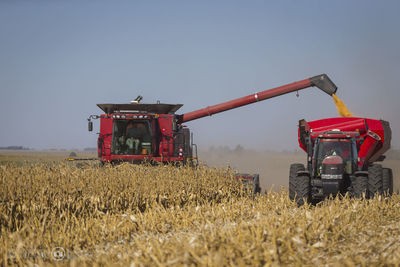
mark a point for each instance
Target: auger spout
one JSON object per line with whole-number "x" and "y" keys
{"x": 321, "y": 81}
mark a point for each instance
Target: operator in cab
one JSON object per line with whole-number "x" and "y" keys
{"x": 137, "y": 136}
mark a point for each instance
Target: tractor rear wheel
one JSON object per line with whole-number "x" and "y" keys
{"x": 375, "y": 180}
{"x": 387, "y": 181}
{"x": 299, "y": 186}
{"x": 294, "y": 168}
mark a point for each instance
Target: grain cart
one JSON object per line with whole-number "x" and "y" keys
{"x": 341, "y": 157}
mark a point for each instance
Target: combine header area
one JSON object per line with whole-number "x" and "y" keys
{"x": 341, "y": 156}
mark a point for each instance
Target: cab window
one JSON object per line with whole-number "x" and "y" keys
{"x": 334, "y": 147}
{"x": 131, "y": 137}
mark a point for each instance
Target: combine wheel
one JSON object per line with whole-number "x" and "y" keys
{"x": 375, "y": 180}
{"x": 387, "y": 181}
{"x": 299, "y": 186}
{"x": 256, "y": 184}
{"x": 360, "y": 186}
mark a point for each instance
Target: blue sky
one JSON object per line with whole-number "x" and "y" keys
{"x": 58, "y": 59}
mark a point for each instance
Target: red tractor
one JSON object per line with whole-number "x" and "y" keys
{"x": 341, "y": 156}
{"x": 137, "y": 132}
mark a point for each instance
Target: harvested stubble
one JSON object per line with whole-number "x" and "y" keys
{"x": 165, "y": 215}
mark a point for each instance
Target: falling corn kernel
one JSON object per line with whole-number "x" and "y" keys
{"x": 341, "y": 107}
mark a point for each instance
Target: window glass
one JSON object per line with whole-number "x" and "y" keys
{"x": 131, "y": 137}
{"x": 334, "y": 147}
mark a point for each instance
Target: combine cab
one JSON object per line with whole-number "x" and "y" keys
{"x": 341, "y": 156}
{"x": 138, "y": 132}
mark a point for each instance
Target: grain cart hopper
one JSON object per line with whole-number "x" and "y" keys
{"x": 341, "y": 156}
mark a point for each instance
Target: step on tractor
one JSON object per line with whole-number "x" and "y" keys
{"x": 138, "y": 132}
{"x": 341, "y": 158}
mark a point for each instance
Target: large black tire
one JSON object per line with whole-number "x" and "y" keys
{"x": 375, "y": 180}
{"x": 360, "y": 186}
{"x": 256, "y": 184}
{"x": 294, "y": 168}
{"x": 387, "y": 181}
{"x": 299, "y": 186}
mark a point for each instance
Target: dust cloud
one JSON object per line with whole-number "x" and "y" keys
{"x": 273, "y": 166}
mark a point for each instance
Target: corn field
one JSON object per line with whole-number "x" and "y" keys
{"x": 137, "y": 215}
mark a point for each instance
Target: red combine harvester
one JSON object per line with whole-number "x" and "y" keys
{"x": 340, "y": 157}
{"x": 139, "y": 132}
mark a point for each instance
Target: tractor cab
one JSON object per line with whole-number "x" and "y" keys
{"x": 334, "y": 160}
{"x": 335, "y": 155}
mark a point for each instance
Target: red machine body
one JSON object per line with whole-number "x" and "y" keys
{"x": 373, "y": 136}
{"x": 341, "y": 156}
{"x": 162, "y": 132}
{"x": 163, "y": 136}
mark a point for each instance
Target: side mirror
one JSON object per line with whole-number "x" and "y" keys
{"x": 90, "y": 126}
